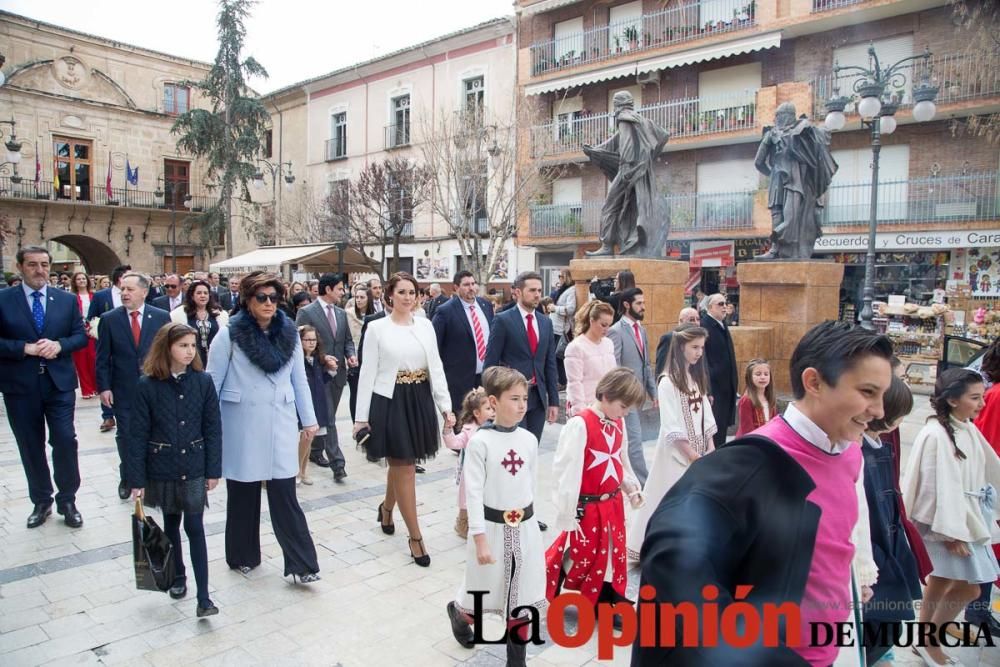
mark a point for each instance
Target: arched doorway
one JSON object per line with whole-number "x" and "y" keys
{"x": 97, "y": 257}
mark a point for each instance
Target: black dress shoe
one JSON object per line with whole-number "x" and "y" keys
{"x": 179, "y": 589}
{"x": 420, "y": 470}
{"x": 320, "y": 461}
{"x": 71, "y": 516}
{"x": 460, "y": 628}
{"x": 123, "y": 491}
{"x": 543, "y": 526}
{"x": 39, "y": 514}
{"x": 339, "y": 475}
{"x": 210, "y": 610}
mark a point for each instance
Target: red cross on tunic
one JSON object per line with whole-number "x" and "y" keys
{"x": 512, "y": 463}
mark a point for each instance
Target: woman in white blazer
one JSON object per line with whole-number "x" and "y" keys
{"x": 403, "y": 402}
{"x": 257, "y": 366}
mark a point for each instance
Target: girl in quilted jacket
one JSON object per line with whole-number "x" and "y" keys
{"x": 476, "y": 411}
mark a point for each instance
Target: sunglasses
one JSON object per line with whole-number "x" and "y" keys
{"x": 264, "y": 298}
{"x": 169, "y": 286}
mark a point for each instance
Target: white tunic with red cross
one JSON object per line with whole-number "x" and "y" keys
{"x": 597, "y": 553}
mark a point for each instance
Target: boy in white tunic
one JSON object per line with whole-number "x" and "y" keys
{"x": 505, "y": 558}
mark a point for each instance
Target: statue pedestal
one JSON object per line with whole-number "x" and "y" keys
{"x": 661, "y": 280}
{"x": 789, "y": 298}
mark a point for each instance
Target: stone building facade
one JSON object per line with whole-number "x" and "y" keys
{"x": 86, "y": 107}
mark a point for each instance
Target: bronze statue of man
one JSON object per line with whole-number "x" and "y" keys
{"x": 627, "y": 160}
{"x": 795, "y": 154}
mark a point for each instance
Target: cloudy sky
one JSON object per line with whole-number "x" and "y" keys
{"x": 293, "y": 39}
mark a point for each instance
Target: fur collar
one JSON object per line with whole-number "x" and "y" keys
{"x": 270, "y": 351}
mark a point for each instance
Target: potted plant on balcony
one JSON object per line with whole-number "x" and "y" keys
{"x": 572, "y": 224}
{"x": 618, "y": 44}
{"x": 631, "y": 34}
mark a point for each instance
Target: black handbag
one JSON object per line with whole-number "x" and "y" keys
{"x": 152, "y": 552}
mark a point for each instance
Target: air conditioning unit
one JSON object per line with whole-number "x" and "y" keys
{"x": 648, "y": 78}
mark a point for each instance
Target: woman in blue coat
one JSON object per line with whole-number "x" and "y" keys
{"x": 258, "y": 370}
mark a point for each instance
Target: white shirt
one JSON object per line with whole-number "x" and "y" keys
{"x": 128, "y": 314}
{"x": 808, "y": 429}
{"x": 116, "y": 296}
{"x": 28, "y": 291}
{"x": 524, "y": 320}
{"x": 175, "y": 301}
{"x": 483, "y": 324}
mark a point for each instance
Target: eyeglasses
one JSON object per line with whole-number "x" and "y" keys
{"x": 171, "y": 286}
{"x": 264, "y": 298}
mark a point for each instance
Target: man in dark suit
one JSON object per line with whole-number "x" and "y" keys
{"x": 105, "y": 300}
{"x": 686, "y": 316}
{"x": 229, "y": 298}
{"x": 722, "y": 369}
{"x": 463, "y": 326}
{"x": 436, "y": 300}
{"x": 330, "y": 322}
{"x": 123, "y": 339}
{"x": 40, "y": 328}
{"x": 521, "y": 338}
{"x": 174, "y": 297}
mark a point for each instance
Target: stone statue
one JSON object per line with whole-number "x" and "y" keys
{"x": 796, "y": 155}
{"x": 627, "y": 160}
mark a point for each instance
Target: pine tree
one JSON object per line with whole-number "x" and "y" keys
{"x": 229, "y": 135}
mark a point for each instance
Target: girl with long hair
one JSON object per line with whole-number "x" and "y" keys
{"x": 319, "y": 370}
{"x": 950, "y": 490}
{"x": 686, "y": 424}
{"x": 589, "y": 356}
{"x": 85, "y": 359}
{"x": 201, "y": 311}
{"x": 476, "y": 411}
{"x": 357, "y": 309}
{"x": 757, "y": 405}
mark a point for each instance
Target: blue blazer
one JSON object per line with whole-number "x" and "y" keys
{"x": 100, "y": 304}
{"x": 508, "y": 346}
{"x": 17, "y": 327}
{"x": 119, "y": 362}
{"x": 457, "y": 345}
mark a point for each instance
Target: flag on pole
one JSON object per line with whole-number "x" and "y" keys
{"x": 107, "y": 183}
{"x": 55, "y": 181}
{"x": 38, "y": 168}
{"x": 131, "y": 175}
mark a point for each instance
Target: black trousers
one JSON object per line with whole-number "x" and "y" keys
{"x": 352, "y": 383}
{"x": 28, "y": 415}
{"x": 123, "y": 423}
{"x": 287, "y": 519}
{"x": 534, "y": 418}
{"x": 194, "y": 528}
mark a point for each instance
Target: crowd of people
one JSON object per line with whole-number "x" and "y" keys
{"x": 205, "y": 379}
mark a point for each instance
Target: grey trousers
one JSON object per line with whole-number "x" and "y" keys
{"x": 633, "y": 431}
{"x": 331, "y": 442}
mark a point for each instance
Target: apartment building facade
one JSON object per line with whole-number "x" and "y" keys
{"x": 712, "y": 72}
{"x": 85, "y": 109}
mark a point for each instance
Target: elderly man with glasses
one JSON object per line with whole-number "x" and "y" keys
{"x": 173, "y": 298}
{"x": 722, "y": 371}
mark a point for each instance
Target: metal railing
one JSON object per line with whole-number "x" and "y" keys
{"x": 826, "y": 5}
{"x": 685, "y": 211}
{"x": 336, "y": 149}
{"x": 958, "y": 76}
{"x": 397, "y": 135}
{"x": 682, "y": 118}
{"x": 96, "y": 195}
{"x": 650, "y": 31}
{"x": 964, "y": 197}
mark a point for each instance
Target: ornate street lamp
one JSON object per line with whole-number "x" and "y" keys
{"x": 878, "y": 114}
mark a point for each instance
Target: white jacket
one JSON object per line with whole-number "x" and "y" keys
{"x": 382, "y": 359}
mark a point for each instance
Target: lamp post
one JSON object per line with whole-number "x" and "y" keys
{"x": 878, "y": 114}
{"x": 158, "y": 197}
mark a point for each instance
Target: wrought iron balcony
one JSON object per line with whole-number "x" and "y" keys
{"x": 692, "y": 21}
{"x": 965, "y": 197}
{"x": 397, "y": 135}
{"x": 687, "y": 211}
{"x": 336, "y": 149}
{"x": 958, "y": 76}
{"x": 689, "y": 117}
{"x": 827, "y": 5}
{"x": 95, "y": 195}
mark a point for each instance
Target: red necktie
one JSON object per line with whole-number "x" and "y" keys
{"x": 477, "y": 330}
{"x": 532, "y": 336}
{"x": 638, "y": 339}
{"x": 135, "y": 327}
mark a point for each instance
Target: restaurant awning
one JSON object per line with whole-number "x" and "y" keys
{"x": 722, "y": 50}
{"x": 309, "y": 257}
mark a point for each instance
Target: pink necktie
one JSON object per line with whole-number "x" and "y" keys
{"x": 638, "y": 339}
{"x": 332, "y": 319}
{"x": 477, "y": 329}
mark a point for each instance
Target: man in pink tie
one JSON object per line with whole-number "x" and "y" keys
{"x": 463, "y": 330}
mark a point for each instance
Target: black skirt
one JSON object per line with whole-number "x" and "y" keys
{"x": 176, "y": 496}
{"x": 404, "y": 427}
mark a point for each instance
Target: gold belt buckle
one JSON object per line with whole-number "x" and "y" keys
{"x": 513, "y": 518}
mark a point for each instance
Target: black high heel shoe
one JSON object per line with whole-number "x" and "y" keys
{"x": 422, "y": 561}
{"x": 387, "y": 528}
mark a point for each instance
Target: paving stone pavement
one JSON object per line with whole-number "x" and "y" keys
{"x": 67, "y": 597}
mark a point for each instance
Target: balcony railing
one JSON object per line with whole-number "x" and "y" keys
{"x": 682, "y": 118}
{"x": 958, "y": 76}
{"x": 96, "y": 195}
{"x": 826, "y": 5}
{"x": 686, "y": 212}
{"x": 650, "y": 31}
{"x": 397, "y": 135}
{"x": 965, "y": 197}
{"x": 336, "y": 149}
